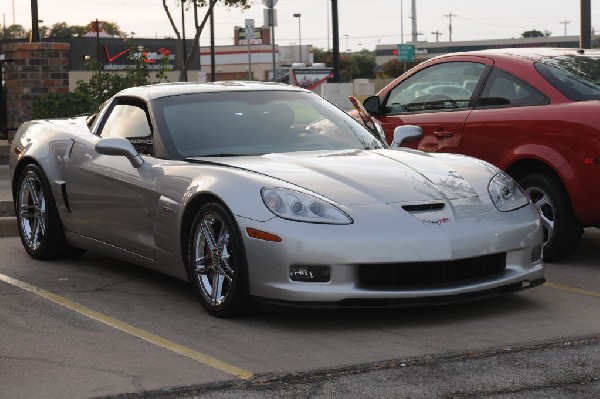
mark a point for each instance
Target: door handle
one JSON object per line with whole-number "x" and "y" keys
{"x": 442, "y": 134}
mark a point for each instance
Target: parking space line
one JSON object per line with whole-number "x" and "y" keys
{"x": 571, "y": 289}
{"x": 128, "y": 328}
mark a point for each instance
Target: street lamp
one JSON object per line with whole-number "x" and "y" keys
{"x": 347, "y": 48}
{"x": 299, "y": 37}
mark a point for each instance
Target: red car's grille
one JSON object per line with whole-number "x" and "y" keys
{"x": 428, "y": 274}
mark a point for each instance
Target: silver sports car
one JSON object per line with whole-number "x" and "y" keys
{"x": 265, "y": 192}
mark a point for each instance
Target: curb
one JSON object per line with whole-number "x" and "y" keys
{"x": 8, "y": 227}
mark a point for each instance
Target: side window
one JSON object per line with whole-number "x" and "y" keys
{"x": 447, "y": 86}
{"x": 504, "y": 89}
{"x": 130, "y": 121}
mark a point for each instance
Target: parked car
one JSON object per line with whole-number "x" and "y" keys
{"x": 534, "y": 113}
{"x": 268, "y": 192}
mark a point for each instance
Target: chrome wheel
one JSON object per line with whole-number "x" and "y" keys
{"x": 211, "y": 253}
{"x": 32, "y": 210}
{"x": 547, "y": 212}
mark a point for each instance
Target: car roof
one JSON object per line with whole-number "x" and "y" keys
{"x": 173, "y": 89}
{"x": 527, "y": 53}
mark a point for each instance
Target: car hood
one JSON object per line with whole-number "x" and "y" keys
{"x": 358, "y": 177}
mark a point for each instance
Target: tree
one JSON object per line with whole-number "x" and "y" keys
{"x": 362, "y": 65}
{"x": 185, "y": 60}
{"x": 535, "y": 33}
{"x": 113, "y": 29}
{"x": 321, "y": 55}
{"x": 13, "y": 32}
{"x": 393, "y": 68}
{"x": 60, "y": 29}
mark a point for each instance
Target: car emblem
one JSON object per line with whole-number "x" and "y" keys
{"x": 439, "y": 221}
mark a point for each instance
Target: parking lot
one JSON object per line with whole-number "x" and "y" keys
{"x": 92, "y": 327}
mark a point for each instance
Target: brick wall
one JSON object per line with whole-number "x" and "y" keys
{"x": 35, "y": 69}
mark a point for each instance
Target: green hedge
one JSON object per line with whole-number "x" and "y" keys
{"x": 62, "y": 105}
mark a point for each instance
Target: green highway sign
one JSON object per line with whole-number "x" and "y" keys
{"x": 406, "y": 52}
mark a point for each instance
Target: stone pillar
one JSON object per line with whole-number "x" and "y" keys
{"x": 36, "y": 69}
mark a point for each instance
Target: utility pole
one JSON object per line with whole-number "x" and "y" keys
{"x": 414, "y": 21}
{"x": 565, "y": 22}
{"x": 35, "y": 31}
{"x": 437, "y": 35}
{"x": 401, "y": 23}
{"x": 586, "y": 32}
{"x": 213, "y": 57}
{"x": 336, "y": 41}
{"x": 450, "y": 25}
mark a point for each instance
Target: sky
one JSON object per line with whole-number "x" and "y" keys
{"x": 362, "y": 23}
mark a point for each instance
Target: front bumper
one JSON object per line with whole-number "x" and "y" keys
{"x": 382, "y": 237}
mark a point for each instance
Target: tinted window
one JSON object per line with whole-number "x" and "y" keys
{"x": 257, "y": 122}
{"x": 131, "y": 122}
{"x": 577, "y": 77}
{"x": 447, "y": 86}
{"x": 503, "y": 89}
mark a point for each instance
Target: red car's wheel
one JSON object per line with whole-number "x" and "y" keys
{"x": 562, "y": 231}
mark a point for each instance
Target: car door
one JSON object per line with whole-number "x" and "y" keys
{"x": 509, "y": 112}
{"x": 438, "y": 98}
{"x": 111, "y": 201}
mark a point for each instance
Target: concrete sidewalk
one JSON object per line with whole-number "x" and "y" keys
{"x": 8, "y": 222}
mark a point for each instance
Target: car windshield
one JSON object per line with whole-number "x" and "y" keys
{"x": 577, "y": 77}
{"x": 256, "y": 123}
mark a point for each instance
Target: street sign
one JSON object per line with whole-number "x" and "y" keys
{"x": 270, "y": 16}
{"x": 406, "y": 52}
{"x": 249, "y": 29}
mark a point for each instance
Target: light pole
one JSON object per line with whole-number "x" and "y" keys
{"x": 347, "y": 48}
{"x": 299, "y": 36}
{"x": 35, "y": 32}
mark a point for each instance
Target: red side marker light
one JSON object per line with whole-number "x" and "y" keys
{"x": 592, "y": 161}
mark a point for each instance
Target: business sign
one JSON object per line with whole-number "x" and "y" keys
{"x": 310, "y": 78}
{"x": 406, "y": 52}
{"x": 255, "y": 37}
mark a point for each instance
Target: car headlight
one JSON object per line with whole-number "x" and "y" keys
{"x": 294, "y": 205}
{"x": 506, "y": 193}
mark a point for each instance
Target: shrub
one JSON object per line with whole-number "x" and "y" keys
{"x": 61, "y": 105}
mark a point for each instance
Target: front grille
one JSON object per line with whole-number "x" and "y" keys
{"x": 428, "y": 274}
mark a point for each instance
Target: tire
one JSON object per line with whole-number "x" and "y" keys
{"x": 39, "y": 224}
{"x": 562, "y": 231}
{"x": 216, "y": 258}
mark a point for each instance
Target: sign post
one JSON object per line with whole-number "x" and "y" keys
{"x": 272, "y": 22}
{"x": 249, "y": 34}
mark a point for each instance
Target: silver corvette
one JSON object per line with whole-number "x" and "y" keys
{"x": 263, "y": 192}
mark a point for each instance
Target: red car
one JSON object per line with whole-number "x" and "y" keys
{"x": 533, "y": 112}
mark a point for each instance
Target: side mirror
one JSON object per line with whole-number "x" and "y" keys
{"x": 406, "y": 133}
{"x": 121, "y": 147}
{"x": 372, "y": 105}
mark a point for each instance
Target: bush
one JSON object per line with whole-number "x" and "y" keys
{"x": 62, "y": 105}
